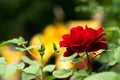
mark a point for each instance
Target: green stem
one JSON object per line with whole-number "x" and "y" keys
{"x": 36, "y": 59}
{"x": 41, "y": 68}
{"x": 88, "y": 58}
{"x": 30, "y": 52}
{"x": 89, "y": 61}
{"x": 37, "y": 77}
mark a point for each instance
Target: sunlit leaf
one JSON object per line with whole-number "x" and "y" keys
{"x": 26, "y": 76}
{"x": 2, "y": 69}
{"x": 117, "y": 54}
{"x": 2, "y": 60}
{"x": 10, "y": 70}
{"x": 32, "y": 69}
{"x": 49, "y": 68}
{"x": 2, "y": 66}
{"x": 29, "y": 61}
{"x": 20, "y": 65}
{"x": 106, "y": 56}
{"x": 69, "y": 58}
{"x": 104, "y": 76}
{"x": 75, "y": 61}
{"x": 12, "y": 41}
{"x": 20, "y": 49}
{"x": 62, "y": 73}
{"x": 76, "y": 77}
{"x": 21, "y": 41}
{"x": 82, "y": 73}
{"x": 79, "y": 75}
{"x": 17, "y": 41}
{"x": 113, "y": 62}
{"x": 29, "y": 48}
{"x": 32, "y": 47}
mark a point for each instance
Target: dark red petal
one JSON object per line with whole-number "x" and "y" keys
{"x": 98, "y": 45}
{"x": 69, "y": 52}
{"x": 104, "y": 39}
{"x": 79, "y": 49}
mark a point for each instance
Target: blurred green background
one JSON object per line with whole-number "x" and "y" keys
{"x": 28, "y": 17}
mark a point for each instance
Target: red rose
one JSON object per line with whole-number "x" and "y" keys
{"x": 83, "y": 40}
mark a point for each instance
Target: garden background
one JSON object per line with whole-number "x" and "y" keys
{"x": 27, "y": 18}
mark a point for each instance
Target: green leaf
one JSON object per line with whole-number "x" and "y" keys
{"x": 20, "y": 49}
{"x": 21, "y": 41}
{"x": 2, "y": 69}
{"x": 32, "y": 69}
{"x": 33, "y": 47}
{"x": 69, "y": 58}
{"x": 23, "y": 49}
{"x": 17, "y": 41}
{"x": 2, "y": 60}
{"x": 106, "y": 56}
{"x": 20, "y": 65}
{"x": 79, "y": 75}
{"x": 62, "y": 73}
{"x": 2, "y": 66}
{"x": 12, "y": 41}
{"x": 29, "y": 61}
{"x": 50, "y": 78}
{"x": 113, "y": 62}
{"x": 111, "y": 46}
{"x": 76, "y": 77}
{"x": 117, "y": 54}
{"x": 104, "y": 76}
{"x": 82, "y": 73}
{"x": 75, "y": 61}
{"x": 49, "y": 68}
{"x": 10, "y": 70}
{"x": 26, "y": 76}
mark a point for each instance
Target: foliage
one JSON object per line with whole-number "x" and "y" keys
{"x": 35, "y": 68}
{"x": 107, "y": 9}
{"x": 107, "y": 59}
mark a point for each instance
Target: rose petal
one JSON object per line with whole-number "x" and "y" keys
{"x": 69, "y": 52}
{"x": 98, "y": 45}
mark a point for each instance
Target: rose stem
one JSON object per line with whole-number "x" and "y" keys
{"x": 88, "y": 58}
{"x": 89, "y": 61}
{"x": 30, "y": 52}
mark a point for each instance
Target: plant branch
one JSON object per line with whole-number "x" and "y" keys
{"x": 88, "y": 58}
{"x": 30, "y": 52}
{"x": 83, "y": 63}
{"x": 41, "y": 68}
